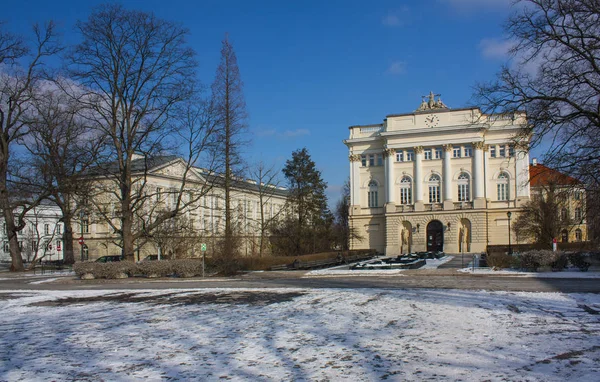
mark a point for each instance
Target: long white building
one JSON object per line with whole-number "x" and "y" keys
{"x": 437, "y": 179}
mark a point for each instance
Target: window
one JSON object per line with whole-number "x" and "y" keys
{"x": 174, "y": 195}
{"x": 564, "y": 236}
{"x": 564, "y": 214}
{"x": 6, "y": 248}
{"x": 511, "y": 151}
{"x": 4, "y": 228}
{"x": 427, "y": 154}
{"x": 20, "y": 245}
{"x": 85, "y": 226}
{"x": 379, "y": 159}
{"x": 492, "y": 151}
{"x": 463, "y": 187}
{"x": 502, "y": 152}
{"x": 158, "y": 193}
{"x": 405, "y": 190}
{"x": 438, "y": 153}
{"x": 434, "y": 189}
{"x": 456, "y": 152}
{"x": 410, "y": 156}
{"x": 371, "y": 159}
{"x": 58, "y": 245}
{"x": 578, "y": 214}
{"x": 372, "y": 194}
{"x": 34, "y": 245}
{"x": 46, "y": 229}
{"x": 578, "y": 235}
{"x": 399, "y": 156}
{"x": 58, "y": 229}
{"x": 363, "y": 160}
{"x": 468, "y": 151}
{"x": 503, "y": 186}
{"x": 577, "y": 195}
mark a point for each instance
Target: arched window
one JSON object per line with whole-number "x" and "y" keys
{"x": 502, "y": 181}
{"x": 434, "y": 188}
{"x": 372, "y": 193}
{"x": 564, "y": 214}
{"x": 578, "y": 235}
{"x": 463, "y": 187}
{"x": 405, "y": 190}
{"x": 564, "y": 236}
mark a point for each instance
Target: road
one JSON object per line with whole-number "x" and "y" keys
{"x": 442, "y": 279}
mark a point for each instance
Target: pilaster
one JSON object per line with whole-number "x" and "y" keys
{"x": 447, "y": 178}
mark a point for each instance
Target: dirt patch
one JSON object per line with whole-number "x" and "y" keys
{"x": 8, "y": 296}
{"x": 235, "y": 298}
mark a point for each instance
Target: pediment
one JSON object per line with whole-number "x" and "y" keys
{"x": 176, "y": 169}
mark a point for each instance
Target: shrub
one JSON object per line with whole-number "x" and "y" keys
{"x": 561, "y": 262}
{"x": 499, "y": 260}
{"x": 528, "y": 261}
{"x": 83, "y": 268}
{"x": 186, "y": 267}
{"x": 160, "y": 268}
{"x": 577, "y": 259}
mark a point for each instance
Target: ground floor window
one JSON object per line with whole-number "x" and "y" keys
{"x": 578, "y": 235}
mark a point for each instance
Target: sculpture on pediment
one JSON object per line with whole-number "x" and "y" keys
{"x": 431, "y": 103}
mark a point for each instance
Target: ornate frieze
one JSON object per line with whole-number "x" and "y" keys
{"x": 354, "y": 157}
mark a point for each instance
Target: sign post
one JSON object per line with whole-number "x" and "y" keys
{"x": 203, "y": 249}
{"x": 554, "y": 244}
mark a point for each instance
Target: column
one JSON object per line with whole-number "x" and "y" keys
{"x": 418, "y": 179}
{"x": 522, "y": 176}
{"x": 447, "y": 178}
{"x": 354, "y": 179}
{"x": 390, "y": 196}
{"x": 478, "y": 177}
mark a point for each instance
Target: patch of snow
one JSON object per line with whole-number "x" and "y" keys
{"x": 317, "y": 334}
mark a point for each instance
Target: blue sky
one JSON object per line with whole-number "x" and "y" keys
{"x": 313, "y": 68}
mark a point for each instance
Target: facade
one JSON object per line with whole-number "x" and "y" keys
{"x": 201, "y": 221}
{"x": 437, "y": 179}
{"x": 572, "y": 198}
{"x": 41, "y": 237}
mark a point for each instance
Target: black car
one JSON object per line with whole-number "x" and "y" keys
{"x": 109, "y": 259}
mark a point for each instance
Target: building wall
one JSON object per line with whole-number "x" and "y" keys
{"x": 486, "y": 151}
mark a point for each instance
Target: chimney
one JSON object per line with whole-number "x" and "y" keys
{"x": 534, "y": 161}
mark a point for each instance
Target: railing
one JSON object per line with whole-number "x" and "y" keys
{"x": 371, "y": 129}
{"x": 463, "y": 206}
{"x": 501, "y": 117}
{"x": 434, "y": 207}
{"x": 405, "y": 208}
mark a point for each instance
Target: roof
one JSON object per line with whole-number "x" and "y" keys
{"x": 540, "y": 175}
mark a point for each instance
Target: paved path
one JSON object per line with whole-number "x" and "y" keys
{"x": 440, "y": 278}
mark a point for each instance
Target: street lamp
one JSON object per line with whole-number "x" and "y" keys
{"x": 81, "y": 217}
{"x": 509, "y": 246}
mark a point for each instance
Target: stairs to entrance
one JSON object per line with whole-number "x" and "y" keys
{"x": 457, "y": 262}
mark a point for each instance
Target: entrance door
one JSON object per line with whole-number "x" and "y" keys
{"x": 435, "y": 236}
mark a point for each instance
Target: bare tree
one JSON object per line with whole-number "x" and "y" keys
{"x": 62, "y": 146}
{"x": 230, "y": 111}
{"x": 140, "y": 74}
{"x": 21, "y": 74}
{"x": 267, "y": 181}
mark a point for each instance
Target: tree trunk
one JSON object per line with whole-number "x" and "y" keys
{"x": 68, "y": 254}
{"x": 9, "y": 219}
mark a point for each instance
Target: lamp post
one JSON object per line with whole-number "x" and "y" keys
{"x": 81, "y": 217}
{"x": 509, "y": 246}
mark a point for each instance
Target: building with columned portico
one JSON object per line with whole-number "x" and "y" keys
{"x": 437, "y": 179}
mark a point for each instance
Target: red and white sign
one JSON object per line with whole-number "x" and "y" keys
{"x": 554, "y": 241}
{"x": 81, "y": 240}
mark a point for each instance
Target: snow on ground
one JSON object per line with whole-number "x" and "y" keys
{"x": 343, "y": 270}
{"x": 298, "y": 334}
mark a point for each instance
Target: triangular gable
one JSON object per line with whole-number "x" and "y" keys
{"x": 176, "y": 169}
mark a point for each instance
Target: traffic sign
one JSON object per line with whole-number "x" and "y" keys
{"x": 81, "y": 240}
{"x": 203, "y": 247}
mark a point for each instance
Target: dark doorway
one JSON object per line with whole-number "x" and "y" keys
{"x": 435, "y": 236}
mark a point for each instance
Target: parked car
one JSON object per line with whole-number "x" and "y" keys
{"x": 109, "y": 259}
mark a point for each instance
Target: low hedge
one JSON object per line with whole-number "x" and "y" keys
{"x": 123, "y": 269}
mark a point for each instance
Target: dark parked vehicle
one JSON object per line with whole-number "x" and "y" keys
{"x": 109, "y": 259}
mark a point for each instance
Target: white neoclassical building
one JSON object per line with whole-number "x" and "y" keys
{"x": 437, "y": 179}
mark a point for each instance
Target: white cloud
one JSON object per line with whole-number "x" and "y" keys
{"x": 396, "y": 68}
{"x": 495, "y": 49}
{"x": 286, "y": 134}
{"x": 396, "y": 18}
